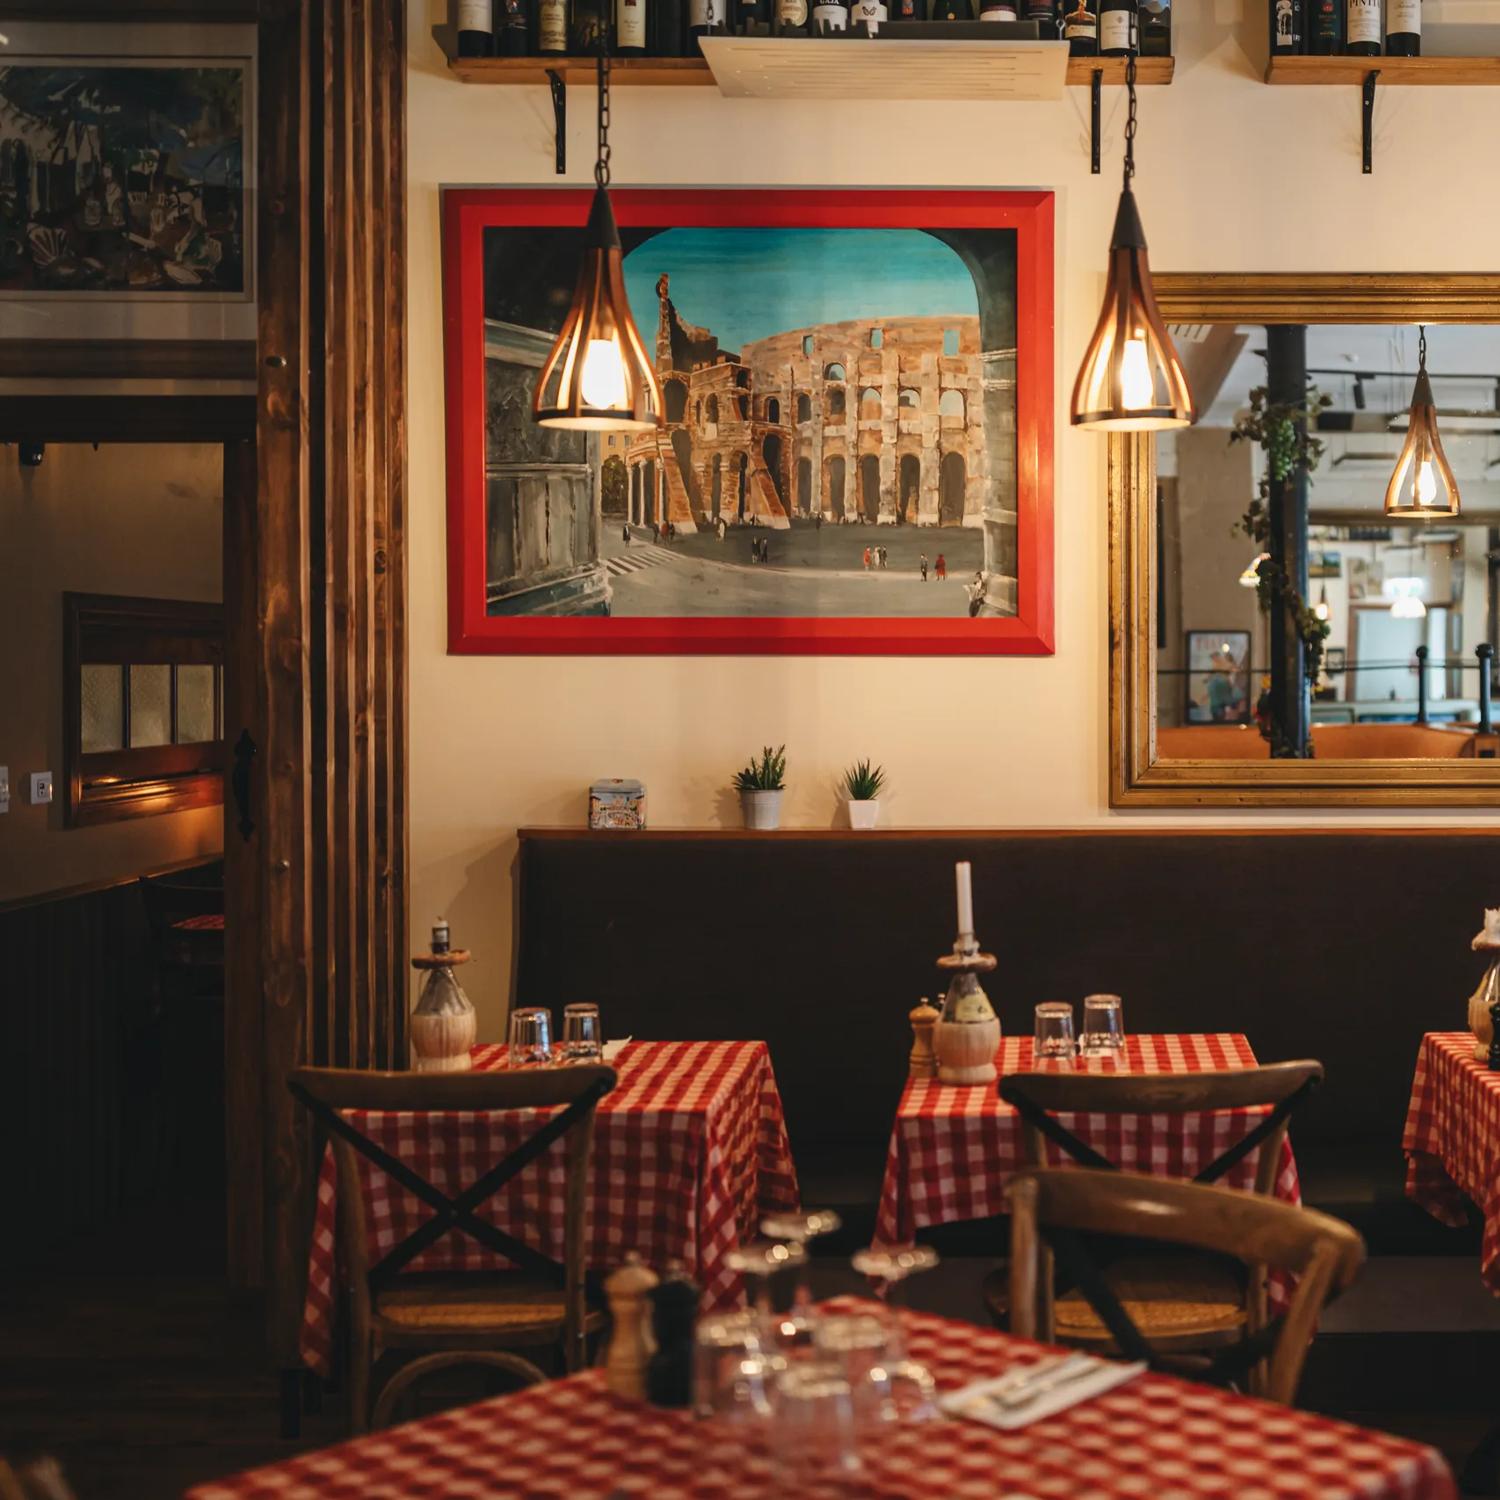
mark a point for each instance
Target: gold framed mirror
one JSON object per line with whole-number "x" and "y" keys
{"x": 1209, "y": 665}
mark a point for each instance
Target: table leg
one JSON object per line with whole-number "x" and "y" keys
{"x": 291, "y": 1403}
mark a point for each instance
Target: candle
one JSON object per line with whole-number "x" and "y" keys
{"x": 965, "y": 900}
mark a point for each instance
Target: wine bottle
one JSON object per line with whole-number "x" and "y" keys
{"x": 476, "y": 28}
{"x": 905, "y": 10}
{"x": 830, "y": 15}
{"x": 1081, "y": 28}
{"x": 1286, "y": 27}
{"x": 514, "y": 37}
{"x": 1118, "y": 22}
{"x": 1362, "y": 28}
{"x": 1324, "y": 27}
{"x": 589, "y": 19}
{"x": 996, "y": 10}
{"x": 751, "y": 16}
{"x": 668, "y": 28}
{"x": 1156, "y": 28}
{"x": 1403, "y": 28}
{"x": 552, "y": 26}
{"x": 791, "y": 17}
{"x": 631, "y": 23}
{"x": 951, "y": 10}
{"x": 1044, "y": 13}
{"x": 707, "y": 18}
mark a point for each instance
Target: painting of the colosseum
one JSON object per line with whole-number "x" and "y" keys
{"x": 840, "y": 434}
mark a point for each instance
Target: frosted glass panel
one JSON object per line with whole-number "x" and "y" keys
{"x": 103, "y": 708}
{"x": 150, "y": 706}
{"x": 195, "y": 704}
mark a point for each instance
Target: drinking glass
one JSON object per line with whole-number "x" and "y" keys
{"x": 860, "y": 1344}
{"x": 530, "y": 1037}
{"x": 760, "y": 1264}
{"x": 582, "y": 1040}
{"x": 1054, "y": 1030}
{"x": 1103, "y": 1026}
{"x": 890, "y": 1268}
{"x": 730, "y": 1373}
{"x": 813, "y": 1426}
{"x": 795, "y": 1323}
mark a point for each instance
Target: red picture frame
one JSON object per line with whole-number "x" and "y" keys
{"x": 468, "y": 212}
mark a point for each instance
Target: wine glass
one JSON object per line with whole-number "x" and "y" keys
{"x": 890, "y": 1268}
{"x": 797, "y": 1229}
{"x": 760, "y": 1263}
{"x": 730, "y": 1371}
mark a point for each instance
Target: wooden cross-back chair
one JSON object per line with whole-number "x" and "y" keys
{"x": 461, "y": 1317}
{"x": 1051, "y": 1208}
{"x": 1188, "y": 1304}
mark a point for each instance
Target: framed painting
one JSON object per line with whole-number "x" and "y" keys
{"x": 1218, "y": 677}
{"x": 125, "y": 179}
{"x": 856, "y": 454}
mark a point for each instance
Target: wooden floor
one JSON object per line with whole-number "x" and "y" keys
{"x": 144, "y": 1382}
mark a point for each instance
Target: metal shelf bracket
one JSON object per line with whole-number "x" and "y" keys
{"x": 1367, "y": 118}
{"x": 1096, "y": 88}
{"x": 560, "y": 118}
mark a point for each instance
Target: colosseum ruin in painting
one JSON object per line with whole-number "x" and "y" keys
{"x": 877, "y": 421}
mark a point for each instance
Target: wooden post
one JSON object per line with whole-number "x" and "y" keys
{"x": 1291, "y": 711}
{"x": 330, "y": 584}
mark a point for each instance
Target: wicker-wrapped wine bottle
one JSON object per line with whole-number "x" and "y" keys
{"x": 442, "y": 1023}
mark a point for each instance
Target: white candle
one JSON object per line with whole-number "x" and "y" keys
{"x": 965, "y": 900}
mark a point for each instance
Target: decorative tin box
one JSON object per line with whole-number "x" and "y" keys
{"x": 617, "y": 803}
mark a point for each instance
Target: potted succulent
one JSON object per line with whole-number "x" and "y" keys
{"x": 862, "y": 787}
{"x": 760, "y": 786}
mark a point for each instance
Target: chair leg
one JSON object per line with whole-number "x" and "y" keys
{"x": 419, "y": 1369}
{"x": 361, "y": 1357}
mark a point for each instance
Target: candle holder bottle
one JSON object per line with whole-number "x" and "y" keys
{"x": 442, "y": 1022}
{"x": 967, "y": 1035}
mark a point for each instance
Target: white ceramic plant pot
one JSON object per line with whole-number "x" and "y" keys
{"x": 761, "y": 809}
{"x": 864, "y": 814}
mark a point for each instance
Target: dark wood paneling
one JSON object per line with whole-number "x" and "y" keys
{"x": 126, "y": 419}
{"x": 127, "y": 359}
{"x": 1315, "y": 943}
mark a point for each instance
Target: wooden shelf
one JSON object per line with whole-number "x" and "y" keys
{"x": 694, "y": 71}
{"x": 1473, "y": 72}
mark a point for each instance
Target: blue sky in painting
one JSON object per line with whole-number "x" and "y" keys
{"x": 745, "y": 284}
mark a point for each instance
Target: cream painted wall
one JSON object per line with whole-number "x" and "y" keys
{"x": 1234, "y": 176}
{"x": 122, "y": 519}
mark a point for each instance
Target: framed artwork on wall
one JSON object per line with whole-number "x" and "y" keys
{"x": 857, "y": 449}
{"x": 125, "y": 178}
{"x": 1218, "y": 677}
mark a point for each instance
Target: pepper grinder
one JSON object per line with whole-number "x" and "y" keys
{"x": 674, "y": 1311}
{"x": 967, "y": 1036}
{"x": 922, "y": 1060}
{"x": 630, "y": 1346}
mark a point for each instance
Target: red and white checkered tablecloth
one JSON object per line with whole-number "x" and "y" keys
{"x": 1452, "y": 1139}
{"x": 1155, "y": 1437}
{"x": 690, "y": 1149}
{"x": 954, "y": 1147}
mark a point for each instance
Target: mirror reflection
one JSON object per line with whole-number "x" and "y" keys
{"x": 1294, "y": 617}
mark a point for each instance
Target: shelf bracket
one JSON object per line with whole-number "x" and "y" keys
{"x": 1367, "y": 118}
{"x": 1096, "y": 88}
{"x": 559, "y": 118}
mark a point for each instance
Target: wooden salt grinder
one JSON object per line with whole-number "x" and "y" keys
{"x": 630, "y": 1343}
{"x": 923, "y": 1059}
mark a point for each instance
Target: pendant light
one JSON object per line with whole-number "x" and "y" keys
{"x": 1131, "y": 379}
{"x": 1321, "y": 609}
{"x": 597, "y": 377}
{"x": 1250, "y": 578}
{"x": 1423, "y": 485}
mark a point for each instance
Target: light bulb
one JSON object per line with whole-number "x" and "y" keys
{"x": 1250, "y": 578}
{"x": 1426, "y": 483}
{"x": 1137, "y": 390}
{"x": 602, "y": 382}
{"x": 1407, "y": 607}
{"x": 1321, "y": 610}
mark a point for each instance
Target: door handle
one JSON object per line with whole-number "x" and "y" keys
{"x": 239, "y": 781}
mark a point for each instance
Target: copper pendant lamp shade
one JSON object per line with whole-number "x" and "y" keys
{"x": 1131, "y": 379}
{"x": 597, "y": 377}
{"x": 1422, "y": 486}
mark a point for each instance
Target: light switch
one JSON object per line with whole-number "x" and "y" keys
{"x": 4, "y": 789}
{"x": 41, "y": 787}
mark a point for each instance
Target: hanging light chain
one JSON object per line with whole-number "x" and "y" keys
{"x": 1130, "y": 117}
{"x": 601, "y": 163}
{"x": 1421, "y": 346}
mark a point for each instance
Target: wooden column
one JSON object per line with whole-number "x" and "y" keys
{"x": 1291, "y": 702}
{"x": 331, "y": 586}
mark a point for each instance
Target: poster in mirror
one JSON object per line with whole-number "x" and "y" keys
{"x": 856, "y": 453}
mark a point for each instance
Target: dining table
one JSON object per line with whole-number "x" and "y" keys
{"x": 690, "y": 1150}
{"x": 1154, "y": 1436}
{"x": 955, "y": 1147}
